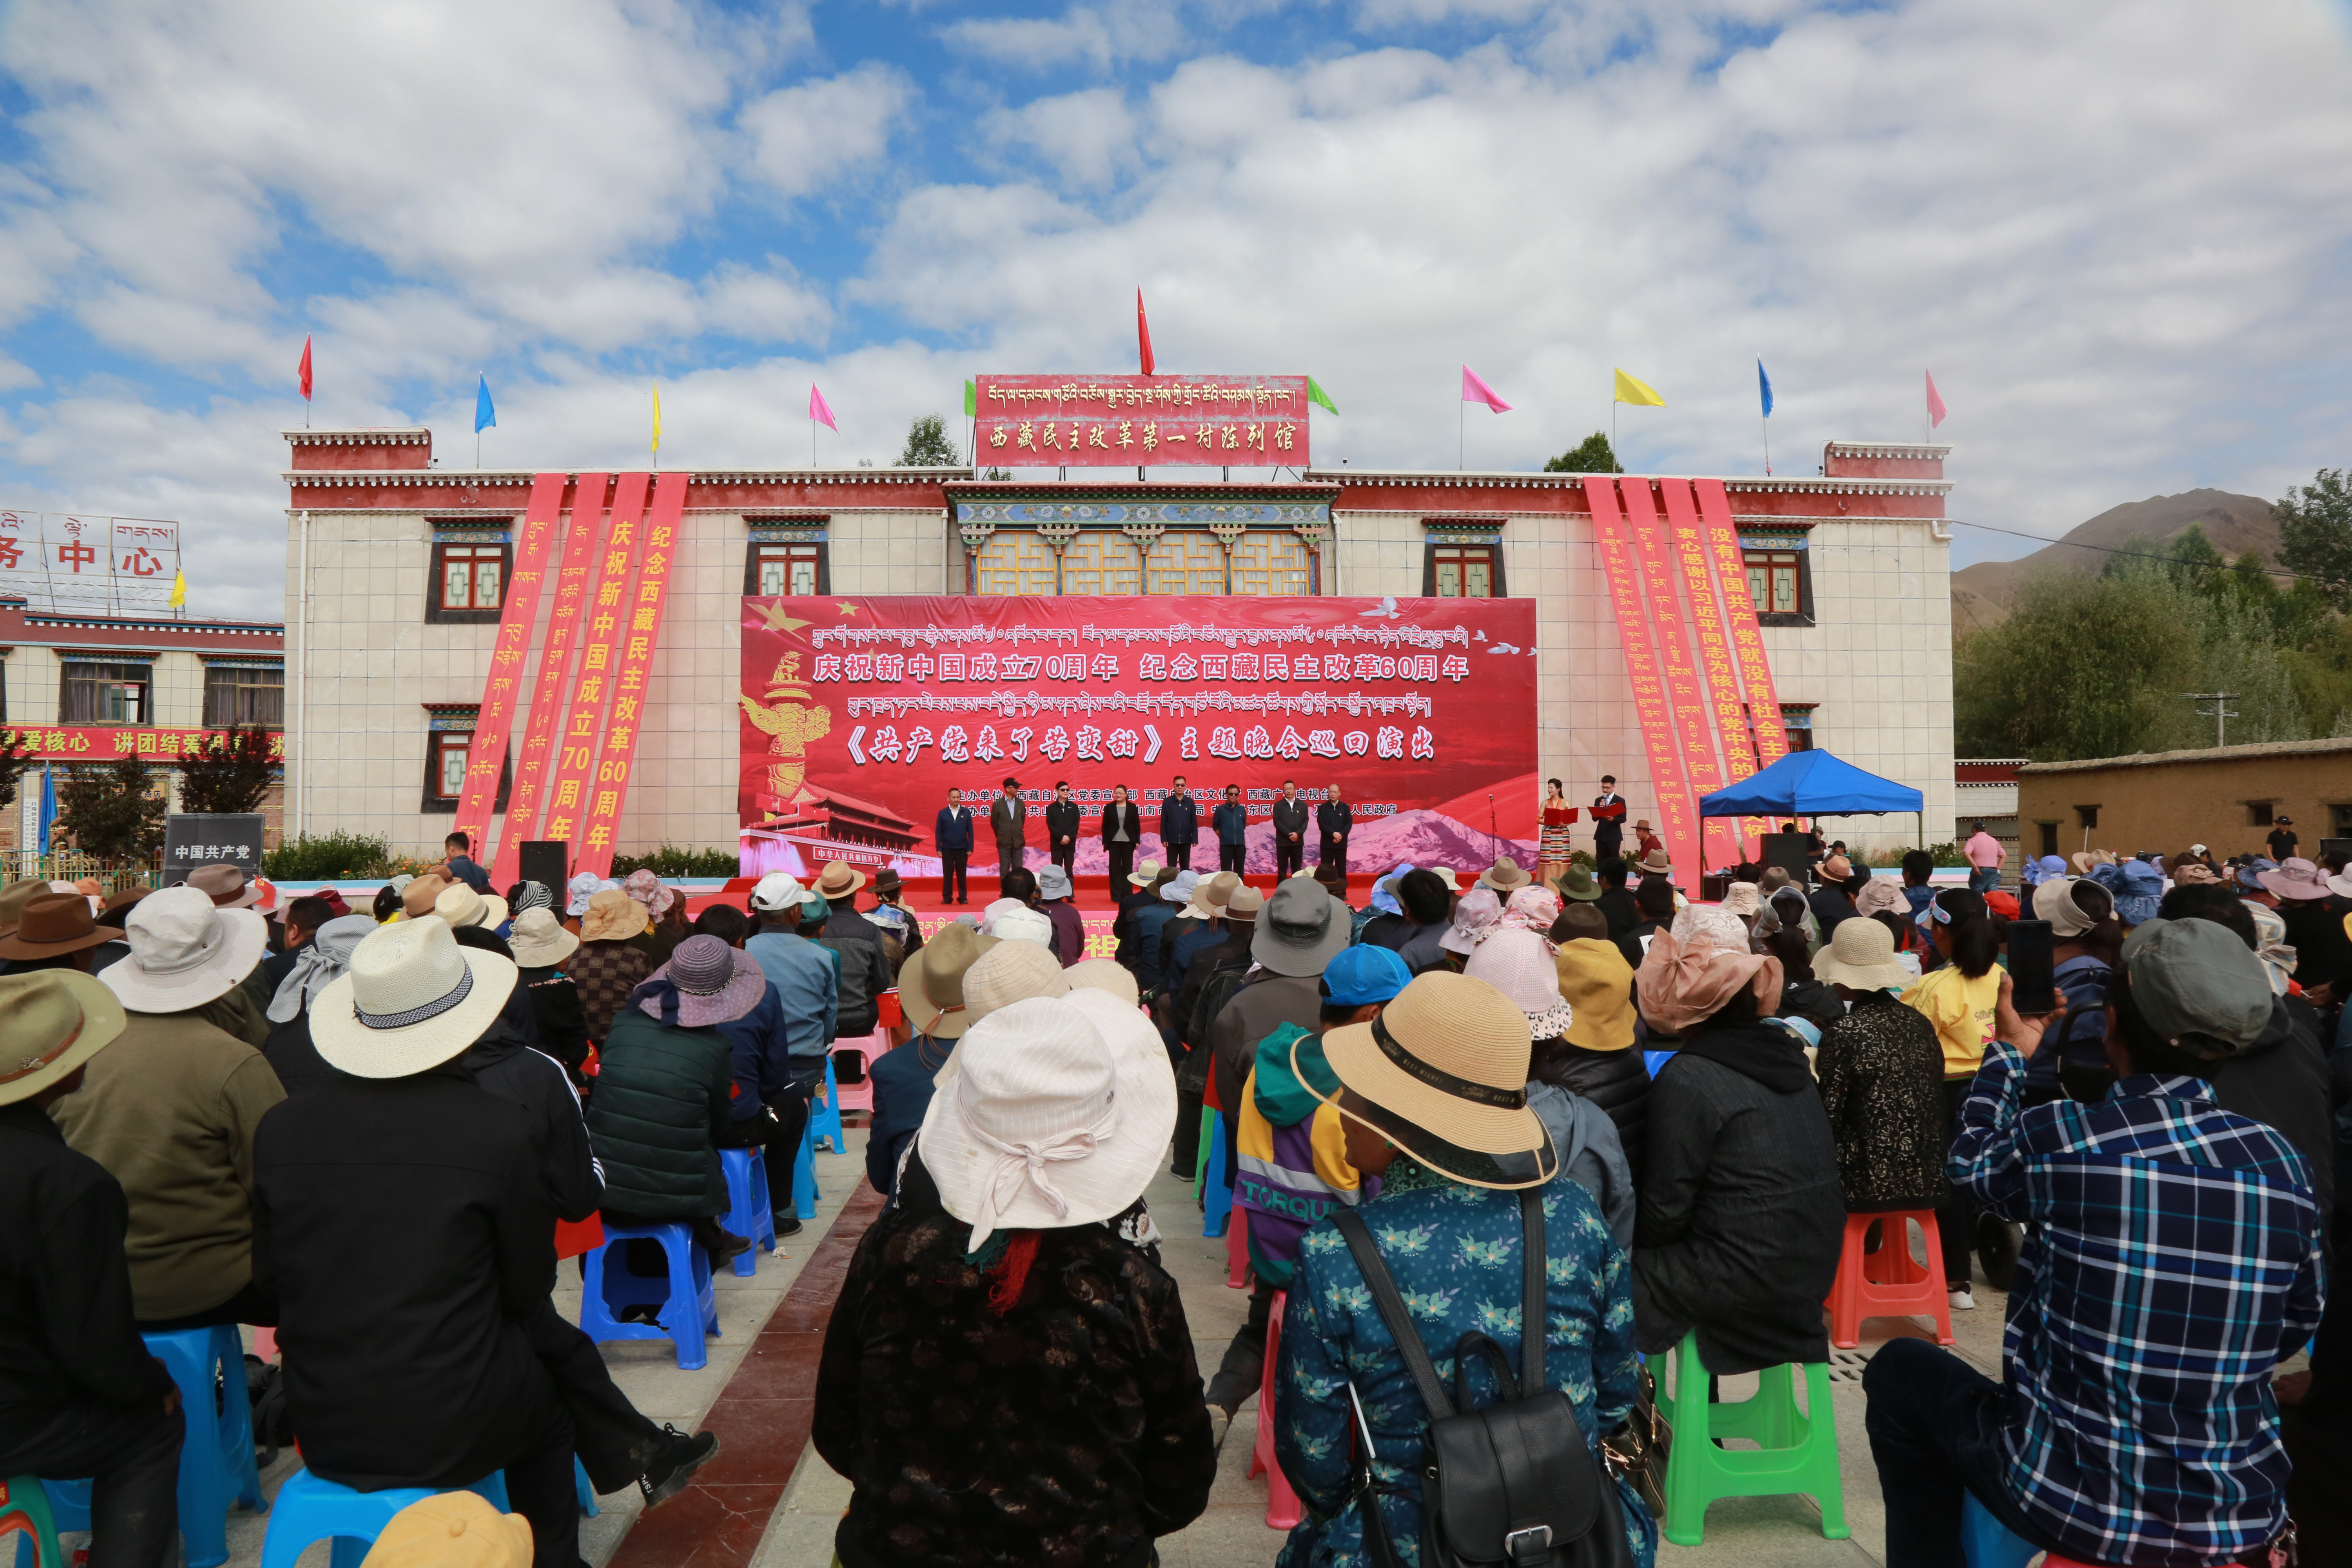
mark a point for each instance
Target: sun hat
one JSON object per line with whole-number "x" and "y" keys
{"x": 1013, "y": 972}
{"x": 1681, "y": 985}
{"x": 1011, "y": 919}
{"x": 2196, "y": 874}
{"x": 2054, "y": 902}
{"x": 1445, "y": 874}
{"x": 2198, "y": 986}
{"x": 1881, "y": 893}
{"x": 2004, "y": 904}
{"x": 1210, "y": 895}
{"x": 1445, "y": 1071}
{"x": 461, "y": 906}
{"x": 650, "y": 891}
{"x": 887, "y": 882}
{"x": 838, "y": 880}
{"x": 1860, "y": 957}
{"x": 2084, "y": 860}
{"x": 930, "y": 985}
{"x": 54, "y": 923}
{"x": 580, "y": 890}
{"x": 416, "y": 899}
{"x": 1656, "y": 864}
{"x": 326, "y": 955}
{"x": 1532, "y": 907}
{"x": 12, "y": 898}
{"x": 540, "y": 941}
{"x": 1744, "y": 900}
{"x": 1520, "y": 965}
{"x": 2296, "y": 879}
{"x": 706, "y": 982}
{"x": 1143, "y": 876}
{"x": 1384, "y": 890}
{"x": 2138, "y": 889}
{"x": 1506, "y": 875}
{"x": 1299, "y": 933}
{"x": 1053, "y": 882}
{"x": 1056, "y": 1114}
{"x": 775, "y": 892}
{"x": 2341, "y": 883}
{"x": 2250, "y": 874}
{"x": 184, "y": 951}
{"x": 1723, "y": 928}
{"x": 1107, "y": 975}
{"x": 2271, "y": 946}
{"x": 224, "y": 885}
{"x": 120, "y": 901}
{"x": 412, "y": 998}
{"x": 1178, "y": 889}
{"x": 1578, "y": 884}
{"x": 452, "y": 1530}
{"x": 1245, "y": 904}
{"x": 1363, "y": 975}
{"x": 54, "y": 1021}
{"x": 1837, "y": 868}
{"x": 399, "y": 881}
{"x": 1479, "y": 912}
{"x": 612, "y": 916}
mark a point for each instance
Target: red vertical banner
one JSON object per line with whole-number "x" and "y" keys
{"x": 600, "y": 650}
{"x": 1678, "y": 823}
{"x": 571, "y": 591}
{"x": 1739, "y": 608}
{"x": 1684, "y": 701}
{"x": 1687, "y": 540}
{"x": 494, "y": 722}
{"x": 640, "y": 632}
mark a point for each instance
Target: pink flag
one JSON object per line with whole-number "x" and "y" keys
{"x": 1476, "y": 391}
{"x": 1935, "y": 404}
{"x": 818, "y": 411}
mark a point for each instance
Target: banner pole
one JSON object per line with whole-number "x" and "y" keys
{"x": 1461, "y": 414}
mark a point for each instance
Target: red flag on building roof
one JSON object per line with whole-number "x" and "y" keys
{"x": 1142, "y": 334}
{"x": 306, "y": 368}
{"x": 1934, "y": 402}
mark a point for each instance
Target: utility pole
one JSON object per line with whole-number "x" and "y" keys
{"x": 2219, "y": 712}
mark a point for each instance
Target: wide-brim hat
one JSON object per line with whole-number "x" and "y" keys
{"x": 1654, "y": 864}
{"x": 412, "y": 999}
{"x": 1143, "y": 876}
{"x": 1860, "y": 954}
{"x": 226, "y": 885}
{"x": 613, "y": 916}
{"x": 14, "y": 897}
{"x": 461, "y": 906}
{"x": 1211, "y": 895}
{"x": 539, "y": 941}
{"x": 715, "y": 984}
{"x": 1082, "y": 1081}
{"x": 184, "y": 952}
{"x": 54, "y": 923}
{"x": 886, "y": 881}
{"x": 54, "y": 1021}
{"x": 1108, "y": 976}
{"x": 838, "y": 880}
{"x": 121, "y": 898}
{"x": 931, "y": 986}
{"x": 1178, "y": 888}
{"x": 417, "y": 899}
{"x": 1300, "y": 928}
{"x": 2296, "y": 879}
{"x": 1506, "y": 876}
{"x": 1446, "y": 1068}
{"x": 1053, "y": 882}
{"x": 1578, "y": 884}
{"x": 2341, "y": 883}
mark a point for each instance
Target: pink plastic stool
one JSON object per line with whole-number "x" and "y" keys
{"x": 1281, "y": 1502}
{"x": 1237, "y": 1262}
{"x": 859, "y": 1095}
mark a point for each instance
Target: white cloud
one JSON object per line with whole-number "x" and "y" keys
{"x": 1101, "y": 36}
{"x": 805, "y": 138}
{"x": 1087, "y": 138}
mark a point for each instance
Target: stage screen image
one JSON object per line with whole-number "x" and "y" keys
{"x": 857, "y": 714}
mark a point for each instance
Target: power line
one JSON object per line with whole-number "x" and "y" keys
{"x": 2135, "y": 554}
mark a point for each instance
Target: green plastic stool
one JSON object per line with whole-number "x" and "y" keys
{"x": 1798, "y": 1453}
{"x": 1200, "y": 1160}
{"x": 25, "y": 1513}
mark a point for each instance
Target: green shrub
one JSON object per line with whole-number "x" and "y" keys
{"x": 1942, "y": 854}
{"x": 329, "y": 857}
{"x": 670, "y": 861}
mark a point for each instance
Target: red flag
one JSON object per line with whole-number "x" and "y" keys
{"x": 1142, "y": 334}
{"x": 306, "y": 369}
{"x": 1935, "y": 404}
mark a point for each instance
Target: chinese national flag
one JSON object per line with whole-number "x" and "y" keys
{"x": 1142, "y": 334}
{"x": 306, "y": 369}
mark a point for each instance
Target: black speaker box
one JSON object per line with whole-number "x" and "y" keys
{"x": 1786, "y": 850}
{"x": 548, "y": 861}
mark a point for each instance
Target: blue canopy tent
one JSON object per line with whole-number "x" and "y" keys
{"x": 1813, "y": 783}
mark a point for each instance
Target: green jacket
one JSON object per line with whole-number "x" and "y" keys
{"x": 659, "y": 1106}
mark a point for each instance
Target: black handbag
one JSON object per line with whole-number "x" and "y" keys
{"x": 1514, "y": 1484}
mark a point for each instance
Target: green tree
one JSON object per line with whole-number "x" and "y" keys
{"x": 12, "y": 763}
{"x": 1590, "y": 456}
{"x": 113, "y": 809}
{"x": 928, "y": 446}
{"x": 2315, "y": 534}
{"x": 232, "y": 775}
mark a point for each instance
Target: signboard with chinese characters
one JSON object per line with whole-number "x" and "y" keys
{"x": 191, "y": 841}
{"x": 59, "y": 560}
{"x": 1142, "y": 421}
{"x": 104, "y": 743}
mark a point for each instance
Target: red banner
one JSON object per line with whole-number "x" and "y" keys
{"x": 639, "y": 637}
{"x": 1685, "y": 702}
{"x": 572, "y": 594}
{"x": 1714, "y": 662}
{"x": 1746, "y": 641}
{"x": 859, "y": 714}
{"x": 575, "y": 761}
{"x": 485, "y": 757}
{"x": 104, "y": 743}
{"x": 1138, "y": 421}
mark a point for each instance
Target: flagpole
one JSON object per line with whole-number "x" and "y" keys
{"x": 1768, "y": 445}
{"x": 1460, "y": 415}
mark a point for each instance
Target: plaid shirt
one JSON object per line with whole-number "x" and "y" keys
{"x": 2172, "y": 1259}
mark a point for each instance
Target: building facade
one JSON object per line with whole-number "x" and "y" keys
{"x": 2228, "y": 798}
{"x": 396, "y": 569}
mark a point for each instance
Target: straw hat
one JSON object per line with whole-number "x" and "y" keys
{"x": 1861, "y": 956}
{"x": 1507, "y": 877}
{"x": 1444, "y": 1068}
{"x": 838, "y": 880}
{"x": 184, "y": 952}
{"x": 224, "y": 885}
{"x": 12, "y": 898}
{"x": 412, "y": 1000}
{"x": 1058, "y": 1114}
{"x": 1522, "y": 966}
{"x": 417, "y": 899}
{"x": 1301, "y": 929}
{"x": 540, "y": 942}
{"x": 54, "y": 1021}
{"x": 461, "y": 906}
{"x": 1108, "y": 976}
{"x": 452, "y": 1530}
{"x": 612, "y": 916}
{"x": 931, "y": 986}
{"x": 715, "y": 984}
{"x": 1143, "y": 876}
{"x": 1211, "y": 895}
{"x": 1014, "y": 972}
{"x": 54, "y": 923}
{"x": 1245, "y": 904}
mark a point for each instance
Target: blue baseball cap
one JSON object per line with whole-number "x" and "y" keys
{"x": 1364, "y": 974}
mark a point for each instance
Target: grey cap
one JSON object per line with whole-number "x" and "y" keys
{"x": 1053, "y": 882}
{"x": 2197, "y": 984}
{"x": 1296, "y": 933}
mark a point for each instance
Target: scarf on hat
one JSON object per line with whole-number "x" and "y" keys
{"x": 2272, "y": 947}
{"x": 1532, "y": 909}
{"x": 1025, "y": 1162}
{"x": 1681, "y": 984}
{"x": 327, "y": 955}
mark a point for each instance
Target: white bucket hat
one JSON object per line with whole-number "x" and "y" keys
{"x": 1008, "y": 919}
{"x": 1057, "y": 1119}
{"x": 777, "y": 891}
{"x": 539, "y": 942}
{"x": 461, "y": 906}
{"x": 1524, "y": 967}
{"x": 184, "y": 952}
{"x": 412, "y": 1000}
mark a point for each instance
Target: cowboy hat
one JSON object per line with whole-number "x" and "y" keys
{"x": 1837, "y": 868}
{"x": 224, "y": 885}
{"x": 710, "y": 982}
{"x": 1861, "y": 956}
{"x": 184, "y": 952}
{"x": 121, "y": 898}
{"x": 1299, "y": 933}
{"x": 838, "y": 880}
{"x": 1642, "y": 824}
{"x": 13, "y": 897}
{"x": 1143, "y": 876}
{"x": 1245, "y": 904}
{"x": 931, "y": 986}
{"x": 539, "y": 942}
{"x": 416, "y": 899}
{"x": 1578, "y": 884}
{"x": 1654, "y": 864}
{"x": 1445, "y": 874}
{"x": 413, "y": 999}
{"x": 1507, "y": 877}
{"x": 53, "y": 924}
{"x": 1444, "y": 1073}
{"x": 461, "y": 906}
{"x": 54, "y": 1021}
{"x": 887, "y": 883}
{"x": 613, "y": 916}
{"x": 1211, "y": 895}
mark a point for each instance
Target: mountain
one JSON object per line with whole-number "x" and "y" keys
{"x": 2234, "y": 523}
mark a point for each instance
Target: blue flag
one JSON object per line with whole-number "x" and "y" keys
{"x": 1763, "y": 384}
{"x": 486, "y": 414}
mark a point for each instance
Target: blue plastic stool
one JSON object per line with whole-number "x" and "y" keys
{"x": 1216, "y": 1197}
{"x": 1989, "y": 1542}
{"x": 824, "y": 1120}
{"x": 25, "y": 1520}
{"x": 311, "y": 1510}
{"x": 583, "y": 1491}
{"x": 747, "y": 1214}
{"x": 685, "y": 1299}
{"x": 804, "y": 1173}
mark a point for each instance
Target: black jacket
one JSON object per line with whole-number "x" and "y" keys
{"x": 1617, "y": 907}
{"x": 1616, "y": 1081}
{"x": 1231, "y": 819}
{"x": 1125, "y": 816}
{"x": 2314, "y": 928}
{"x": 2282, "y": 1081}
{"x": 1335, "y": 820}
{"x": 405, "y": 1227}
{"x": 1289, "y": 818}
{"x": 903, "y": 1087}
{"x": 65, "y": 1329}
{"x": 659, "y": 1109}
{"x": 503, "y": 1063}
{"x": 292, "y": 1056}
{"x": 555, "y": 1005}
{"x": 1062, "y": 821}
{"x": 1179, "y": 821}
{"x": 1608, "y": 832}
{"x": 952, "y": 829}
{"x": 864, "y": 971}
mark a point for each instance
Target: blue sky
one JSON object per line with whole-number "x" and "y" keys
{"x": 2117, "y": 232}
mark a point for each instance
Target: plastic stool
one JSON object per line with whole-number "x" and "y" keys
{"x": 859, "y": 1095}
{"x": 311, "y": 1510}
{"x": 825, "y": 1119}
{"x": 1988, "y": 1542}
{"x": 1201, "y": 1155}
{"x": 688, "y": 1307}
{"x": 1889, "y": 1283}
{"x": 1281, "y": 1504}
{"x": 804, "y": 1173}
{"x": 1237, "y": 1256}
{"x": 1799, "y": 1452}
{"x": 747, "y": 1214}
{"x": 1217, "y": 1207}
{"x": 581, "y": 1490}
{"x": 25, "y": 1517}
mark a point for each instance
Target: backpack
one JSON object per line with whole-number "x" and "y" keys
{"x": 1514, "y": 1484}
{"x": 1193, "y": 1076}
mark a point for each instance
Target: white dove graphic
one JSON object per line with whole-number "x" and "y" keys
{"x": 1387, "y": 612}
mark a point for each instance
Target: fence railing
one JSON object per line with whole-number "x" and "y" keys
{"x": 73, "y": 866}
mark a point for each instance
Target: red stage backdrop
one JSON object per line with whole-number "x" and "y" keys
{"x": 859, "y": 714}
{"x": 1137, "y": 421}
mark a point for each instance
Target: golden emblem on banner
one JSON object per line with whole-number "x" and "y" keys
{"x": 791, "y": 718}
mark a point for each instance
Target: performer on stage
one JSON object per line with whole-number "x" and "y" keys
{"x": 1608, "y": 821}
{"x": 1289, "y": 831}
{"x": 1179, "y": 826}
{"x": 1552, "y": 849}
{"x": 1122, "y": 830}
{"x": 1008, "y": 818}
{"x": 1062, "y": 827}
{"x": 953, "y": 833}
{"x": 1230, "y": 821}
{"x": 1333, "y": 822}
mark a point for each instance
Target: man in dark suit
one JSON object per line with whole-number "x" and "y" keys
{"x": 1608, "y": 827}
{"x": 1334, "y": 820}
{"x": 953, "y": 833}
{"x": 1062, "y": 827}
{"x": 1008, "y": 818}
{"x": 1231, "y": 820}
{"x": 1122, "y": 830}
{"x": 1179, "y": 826}
{"x": 1289, "y": 830}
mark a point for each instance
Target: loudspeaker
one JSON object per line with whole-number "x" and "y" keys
{"x": 548, "y": 861}
{"x": 1786, "y": 850}
{"x": 2331, "y": 848}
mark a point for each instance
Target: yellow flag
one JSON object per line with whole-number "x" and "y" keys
{"x": 657, "y": 416}
{"x": 179, "y": 590}
{"x": 1639, "y": 392}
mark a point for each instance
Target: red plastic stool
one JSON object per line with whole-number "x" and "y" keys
{"x": 1237, "y": 1258}
{"x": 1281, "y": 1502}
{"x": 1887, "y": 1283}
